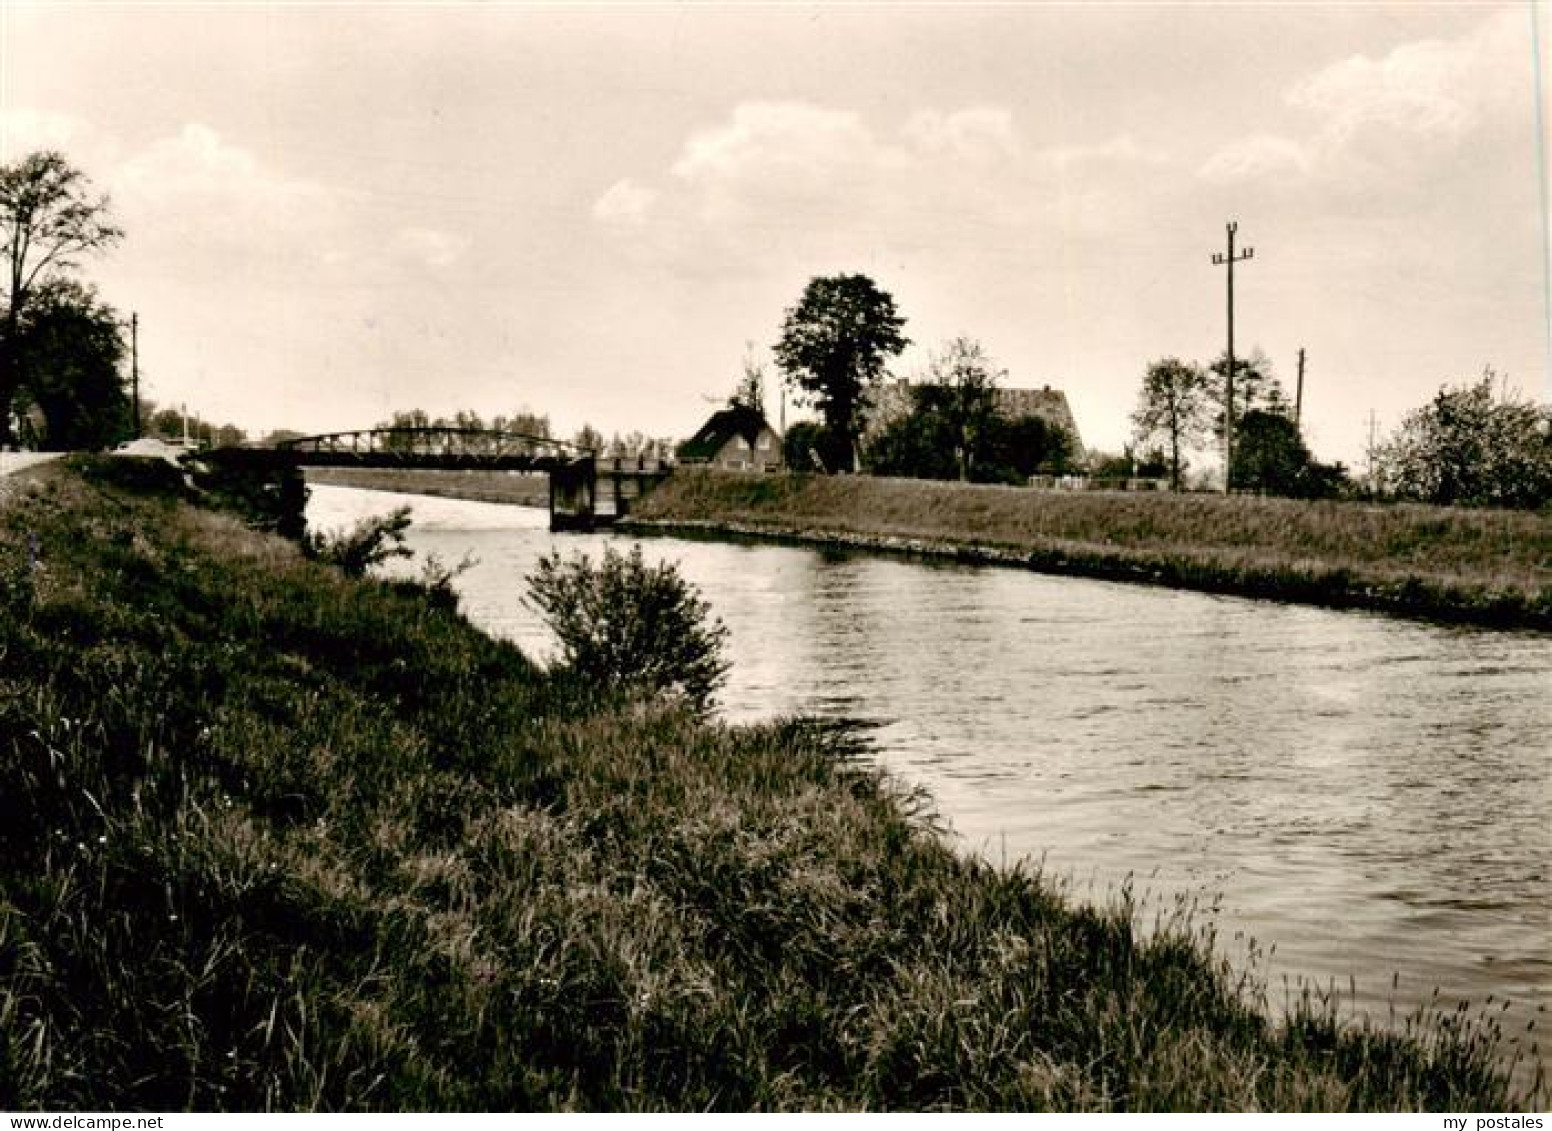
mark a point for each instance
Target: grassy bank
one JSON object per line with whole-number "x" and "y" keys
{"x": 1489, "y": 567}
{"x": 272, "y": 838}
{"x": 511, "y": 488}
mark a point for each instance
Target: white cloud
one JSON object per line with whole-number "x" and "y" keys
{"x": 979, "y": 132}
{"x": 624, "y": 202}
{"x": 200, "y": 181}
{"x": 1417, "y": 103}
{"x": 430, "y": 247}
{"x": 819, "y": 184}
{"x": 1414, "y": 88}
{"x": 790, "y": 139}
{"x": 1433, "y": 87}
{"x": 24, "y": 129}
{"x": 1263, "y": 155}
{"x": 1123, "y": 150}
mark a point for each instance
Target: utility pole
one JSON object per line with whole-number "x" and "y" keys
{"x": 1298, "y": 394}
{"x": 1229, "y": 260}
{"x": 1373, "y": 484}
{"x": 134, "y": 365}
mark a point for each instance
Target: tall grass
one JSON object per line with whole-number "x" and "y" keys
{"x": 1457, "y": 563}
{"x": 273, "y": 838}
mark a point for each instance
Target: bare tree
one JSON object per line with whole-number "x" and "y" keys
{"x": 48, "y": 220}
{"x": 751, "y": 385}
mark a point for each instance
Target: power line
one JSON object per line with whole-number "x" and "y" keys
{"x": 1229, "y": 260}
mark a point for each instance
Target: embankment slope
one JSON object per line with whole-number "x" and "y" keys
{"x": 1477, "y": 566}
{"x": 272, "y": 838}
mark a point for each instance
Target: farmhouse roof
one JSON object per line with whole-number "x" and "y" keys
{"x": 893, "y": 401}
{"x": 1047, "y": 403}
{"x": 722, "y": 426}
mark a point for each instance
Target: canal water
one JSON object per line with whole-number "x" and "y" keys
{"x": 1365, "y": 798}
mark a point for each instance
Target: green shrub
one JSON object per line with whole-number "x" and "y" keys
{"x": 630, "y": 626}
{"x": 437, "y": 577}
{"x": 370, "y": 542}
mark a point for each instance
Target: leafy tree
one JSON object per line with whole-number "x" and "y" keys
{"x": 228, "y": 436}
{"x": 163, "y": 422}
{"x": 1150, "y": 463}
{"x": 1256, "y": 387}
{"x": 524, "y": 423}
{"x": 1020, "y": 446}
{"x": 1325, "y": 481}
{"x": 630, "y": 626}
{"x": 48, "y": 219}
{"x": 833, "y": 346}
{"x": 926, "y": 442}
{"x": 805, "y": 443}
{"x": 173, "y": 422}
{"x": 963, "y": 392}
{"x": 1470, "y": 446}
{"x": 589, "y": 439}
{"x": 467, "y": 420}
{"x": 628, "y": 446}
{"x": 70, "y": 346}
{"x": 1269, "y": 454}
{"x": 1109, "y": 465}
{"x": 413, "y": 418}
{"x": 1173, "y": 408}
{"x": 919, "y": 445}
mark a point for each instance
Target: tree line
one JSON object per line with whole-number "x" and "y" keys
{"x": 535, "y": 425}
{"x": 833, "y": 353}
{"x": 1477, "y": 443}
{"x": 1181, "y": 404}
{"x": 62, "y": 352}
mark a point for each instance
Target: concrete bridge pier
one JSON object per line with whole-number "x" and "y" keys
{"x": 574, "y": 495}
{"x": 588, "y": 493}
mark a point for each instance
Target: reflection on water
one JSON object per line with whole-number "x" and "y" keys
{"x": 1368, "y": 794}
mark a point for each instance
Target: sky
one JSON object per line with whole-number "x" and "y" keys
{"x": 336, "y": 211}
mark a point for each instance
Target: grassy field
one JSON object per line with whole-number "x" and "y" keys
{"x": 481, "y": 486}
{"x": 270, "y": 838}
{"x": 1477, "y": 565}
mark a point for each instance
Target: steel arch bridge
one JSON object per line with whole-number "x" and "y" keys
{"x": 433, "y": 447}
{"x": 577, "y": 475}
